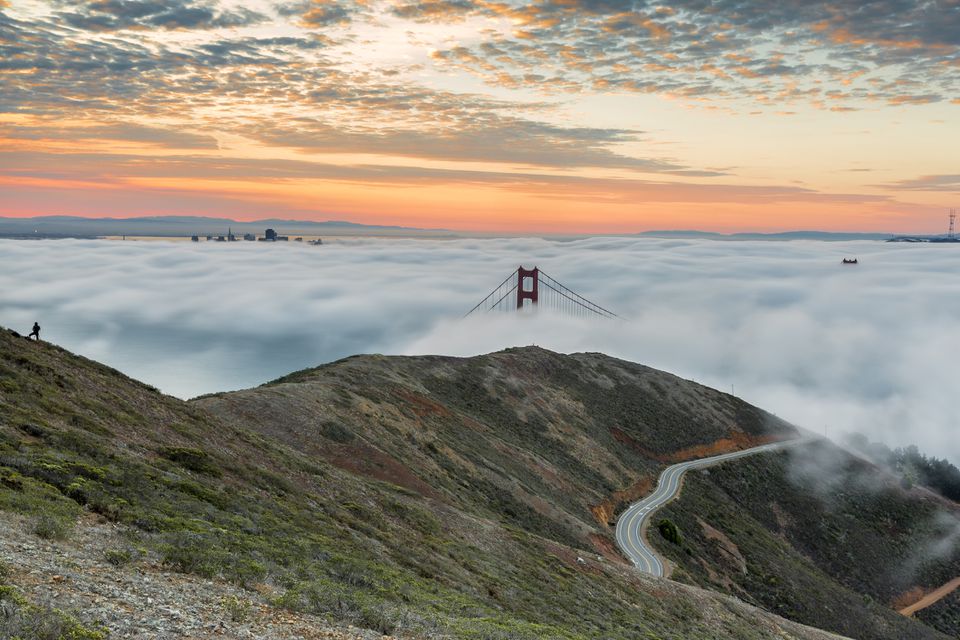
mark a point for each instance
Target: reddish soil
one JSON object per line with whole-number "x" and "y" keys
{"x": 606, "y": 548}
{"x": 623, "y": 438}
{"x": 569, "y": 557}
{"x": 365, "y": 460}
{"x": 604, "y": 511}
{"x": 735, "y": 442}
{"x": 929, "y": 598}
{"x": 908, "y": 598}
{"x": 421, "y": 405}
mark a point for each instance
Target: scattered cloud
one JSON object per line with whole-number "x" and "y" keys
{"x": 867, "y": 348}
{"x": 474, "y": 90}
{"x": 118, "y": 15}
{"x": 168, "y": 138}
{"x": 118, "y": 169}
{"x": 767, "y": 50}
{"x": 948, "y": 183}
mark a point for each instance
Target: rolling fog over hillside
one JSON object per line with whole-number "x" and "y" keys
{"x": 866, "y": 347}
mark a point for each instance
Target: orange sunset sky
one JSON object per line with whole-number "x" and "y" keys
{"x": 587, "y": 116}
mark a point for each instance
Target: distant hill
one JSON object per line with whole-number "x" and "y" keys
{"x": 828, "y": 236}
{"x": 367, "y": 507}
{"x": 184, "y": 226}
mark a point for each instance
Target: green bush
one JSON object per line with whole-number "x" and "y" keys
{"x": 51, "y": 527}
{"x": 119, "y": 557}
{"x": 669, "y": 531}
{"x": 237, "y": 609}
{"x": 192, "y": 459}
{"x": 192, "y": 553}
{"x": 20, "y": 619}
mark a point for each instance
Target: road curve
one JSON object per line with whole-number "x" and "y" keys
{"x": 630, "y": 523}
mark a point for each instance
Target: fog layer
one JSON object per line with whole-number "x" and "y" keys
{"x": 870, "y": 347}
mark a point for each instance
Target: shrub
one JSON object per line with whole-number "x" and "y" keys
{"x": 11, "y": 479}
{"x": 119, "y": 557}
{"x": 20, "y": 619}
{"x": 192, "y": 553}
{"x": 237, "y": 609}
{"x": 51, "y": 527}
{"x": 669, "y": 531}
{"x": 192, "y": 459}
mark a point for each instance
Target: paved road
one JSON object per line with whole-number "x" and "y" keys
{"x": 630, "y": 524}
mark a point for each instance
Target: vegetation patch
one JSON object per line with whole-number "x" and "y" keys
{"x": 19, "y": 619}
{"x": 669, "y": 531}
{"x": 192, "y": 459}
{"x": 825, "y": 546}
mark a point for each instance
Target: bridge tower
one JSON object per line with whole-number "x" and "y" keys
{"x": 533, "y": 293}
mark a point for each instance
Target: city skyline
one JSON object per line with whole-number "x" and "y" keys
{"x": 564, "y": 116}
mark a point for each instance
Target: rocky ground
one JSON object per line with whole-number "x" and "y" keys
{"x": 140, "y": 599}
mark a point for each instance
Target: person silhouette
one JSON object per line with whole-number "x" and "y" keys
{"x": 36, "y": 332}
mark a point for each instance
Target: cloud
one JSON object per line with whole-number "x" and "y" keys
{"x": 114, "y": 169}
{"x": 948, "y": 183}
{"x": 129, "y": 132}
{"x": 117, "y": 15}
{"x": 315, "y": 105}
{"x": 326, "y": 13}
{"x": 484, "y": 137}
{"x": 867, "y": 348}
{"x": 885, "y": 50}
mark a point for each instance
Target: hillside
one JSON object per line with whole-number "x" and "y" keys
{"x": 555, "y": 443}
{"x": 169, "y": 488}
{"x": 819, "y": 536}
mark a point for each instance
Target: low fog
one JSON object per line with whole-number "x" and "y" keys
{"x": 869, "y": 348}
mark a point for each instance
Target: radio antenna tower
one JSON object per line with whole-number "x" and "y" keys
{"x": 953, "y": 219}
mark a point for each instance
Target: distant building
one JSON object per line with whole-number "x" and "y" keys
{"x": 230, "y": 236}
{"x": 249, "y": 237}
{"x": 221, "y": 239}
{"x": 282, "y": 238}
{"x": 298, "y": 239}
{"x": 270, "y": 235}
{"x": 195, "y": 238}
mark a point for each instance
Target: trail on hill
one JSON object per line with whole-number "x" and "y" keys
{"x": 934, "y": 596}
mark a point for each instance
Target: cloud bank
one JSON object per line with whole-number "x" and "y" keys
{"x": 869, "y": 348}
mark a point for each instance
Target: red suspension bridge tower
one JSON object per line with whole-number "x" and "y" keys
{"x": 543, "y": 292}
{"x": 533, "y": 293}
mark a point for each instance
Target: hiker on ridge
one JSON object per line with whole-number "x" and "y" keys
{"x": 36, "y": 332}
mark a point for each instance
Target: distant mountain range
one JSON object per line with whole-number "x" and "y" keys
{"x": 783, "y": 235}
{"x": 179, "y": 226}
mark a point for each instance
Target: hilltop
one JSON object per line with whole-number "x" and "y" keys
{"x": 418, "y": 497}
{"x": 556, "y": 443}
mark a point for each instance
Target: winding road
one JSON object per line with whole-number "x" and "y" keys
{"x": 630, "y": 523}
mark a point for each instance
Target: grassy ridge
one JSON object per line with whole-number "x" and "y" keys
{"x": 535, "y": 436}
{"x": 202, "y": 495}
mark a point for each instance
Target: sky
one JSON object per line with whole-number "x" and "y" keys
{"x": 868, "y": 348}
{"x": 550, "y": 116}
